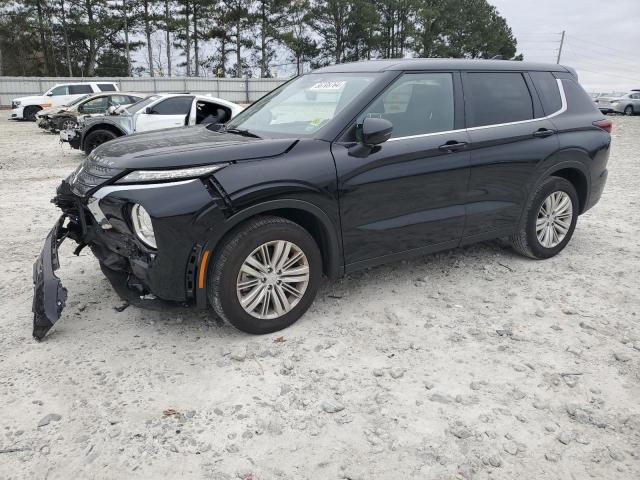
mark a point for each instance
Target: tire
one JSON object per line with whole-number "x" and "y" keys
{"x": 66, "y": 123}
{"x": 628, "y": 110}
{"x": 225, "y": 274}
{"x": 97, "y": 138}
{"x": 29, "y": 113}
{"x": 525, "y": 241}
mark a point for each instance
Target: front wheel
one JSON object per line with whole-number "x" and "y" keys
{"x": 30, "y": 113}
{"x": 97, "y": 138}
{"x": 628, "y": 110}
{"x": 265, "y": 275}
{"x": 549, "y": 219}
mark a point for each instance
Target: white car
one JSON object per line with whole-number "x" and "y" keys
{"x": 26, "y": 108}
{"x": 155, "y": 112}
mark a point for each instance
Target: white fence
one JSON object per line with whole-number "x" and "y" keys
{"x": 237, "y": 90}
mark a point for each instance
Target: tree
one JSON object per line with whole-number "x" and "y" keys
{"x": 297, "y": 35}
{"x": 270, "y": 18}
{"x": 463, "y": 28}
{"x": 238, "y": 19}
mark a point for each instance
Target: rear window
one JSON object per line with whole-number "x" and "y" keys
{"x": 547, "y": 87}
{"x": 78, "y": 89}
{"x": 107, "y": 87}
{"x": 578, "y": 101}
{"x": 498, "y": 97}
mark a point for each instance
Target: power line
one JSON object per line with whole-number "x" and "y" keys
{"x": 602, "y": 62}
{"x": 608, "y": 74}
{"x": 616, "y": 54}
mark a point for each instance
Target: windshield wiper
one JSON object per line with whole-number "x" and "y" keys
{"x": 239, "y": 131}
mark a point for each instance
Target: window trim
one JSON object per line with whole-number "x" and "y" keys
{"x": 562, "y": 109}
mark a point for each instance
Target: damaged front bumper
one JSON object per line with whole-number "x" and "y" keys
{"x": 70, "y": 136}
{"x": 140, "y": 276}
{"x": 49, "y": 295}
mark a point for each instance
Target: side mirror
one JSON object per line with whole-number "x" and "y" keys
{"x": 49, "y": 94}
{"x": 111, "y": 110}
{"x": 375, "y": 131}
{"x": 370, "y": 134}
{"x": 149, "y": 111}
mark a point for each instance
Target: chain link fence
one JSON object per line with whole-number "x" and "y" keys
{"x": 239, "y": 90}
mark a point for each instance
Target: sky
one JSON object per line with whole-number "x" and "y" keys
{"x": 602, "y": 39}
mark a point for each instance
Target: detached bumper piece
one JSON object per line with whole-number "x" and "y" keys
{"x": 49, "y": 296}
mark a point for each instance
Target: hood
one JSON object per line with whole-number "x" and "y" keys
{"x": 185, "y": 146}
{"x": 33, "y": 99}
{"x": 53, "y": 111}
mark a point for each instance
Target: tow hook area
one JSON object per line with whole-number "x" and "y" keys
{"x": 49, "y": 295}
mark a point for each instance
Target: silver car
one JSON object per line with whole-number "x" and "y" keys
{"x": 629, "y": 103}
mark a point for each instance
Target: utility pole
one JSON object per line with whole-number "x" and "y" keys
{"x": 561, "y": 45}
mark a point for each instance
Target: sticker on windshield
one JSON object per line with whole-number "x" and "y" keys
{"x": 328, "y": 86}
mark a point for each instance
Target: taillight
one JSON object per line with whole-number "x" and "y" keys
{"x": 606, "y": 125}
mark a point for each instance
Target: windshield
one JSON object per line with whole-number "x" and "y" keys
{"x": 77, "y": 100}
{"x": 304, "y": 105}
{"x": 136, "y": 107}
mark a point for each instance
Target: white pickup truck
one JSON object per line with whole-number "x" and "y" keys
{"x": 26, "y": 108}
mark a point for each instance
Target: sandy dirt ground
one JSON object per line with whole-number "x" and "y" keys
{"x": 473, "y": 363}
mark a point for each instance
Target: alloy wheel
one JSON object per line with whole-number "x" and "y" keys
{"x": 554, "y": 219}
{"x": 272, "y": 279}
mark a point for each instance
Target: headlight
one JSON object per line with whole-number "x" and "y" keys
{"x": 142, "y": 225}
{"x": 163, "y": 175}
{"x": 17, "y": 104}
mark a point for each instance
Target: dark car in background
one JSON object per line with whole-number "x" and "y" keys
{"x": 338, "y": 170}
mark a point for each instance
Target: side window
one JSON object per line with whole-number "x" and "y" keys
{"x": 96, "y": 105}
{"x": 497, "y": 97}
{"x": 121, "y": 100}
{"x": 173, "y": 106}
{"x": 61, "y": 90}
{"x": 547, "y": 87}
{"x": 636, "y": 96}
{"x": 416, "y": 103}
{"x": 107, "y": 87}
{"x": 81, "y": 88}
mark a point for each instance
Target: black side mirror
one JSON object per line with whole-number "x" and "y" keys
{"x": 371, "y": 133}
{"x": 375, "y": 131}
{"x": 149, "y": 111}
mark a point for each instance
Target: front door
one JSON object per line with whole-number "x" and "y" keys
{"x": 408, "y": 194}
{"x": 168, "y": 113}
{"x": 510, "y": 137}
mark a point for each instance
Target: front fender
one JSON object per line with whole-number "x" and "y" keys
{"x": 331, "y": 242}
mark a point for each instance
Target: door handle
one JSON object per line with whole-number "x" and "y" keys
{"x": 452, "y": 146}
{"x": 543, "y": 133}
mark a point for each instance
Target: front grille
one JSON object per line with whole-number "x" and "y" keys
{"x": 92, "y": 172}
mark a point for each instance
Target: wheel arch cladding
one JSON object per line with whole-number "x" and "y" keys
{"x": 578, "y": 179}
{"x": 307, "y": 215}
{"x": 102, "y": 126}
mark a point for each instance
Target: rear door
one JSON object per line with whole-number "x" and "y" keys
{"x": 167, "y": 113}
{"x": 407, "y": 195}
{"x": 510, "y": 135}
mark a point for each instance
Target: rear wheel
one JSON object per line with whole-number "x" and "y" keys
{"x": 96, "y": 138}
{"x": 30, "y": 113}
{"x": 549, "y": 219}
{"x": 265, "y": 275}
{"x": 628, "y": 110}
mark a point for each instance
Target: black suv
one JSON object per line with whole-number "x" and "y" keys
{"x": 344, "y": 168}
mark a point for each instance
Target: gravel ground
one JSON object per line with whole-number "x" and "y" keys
{"x": 473, "y": 363}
